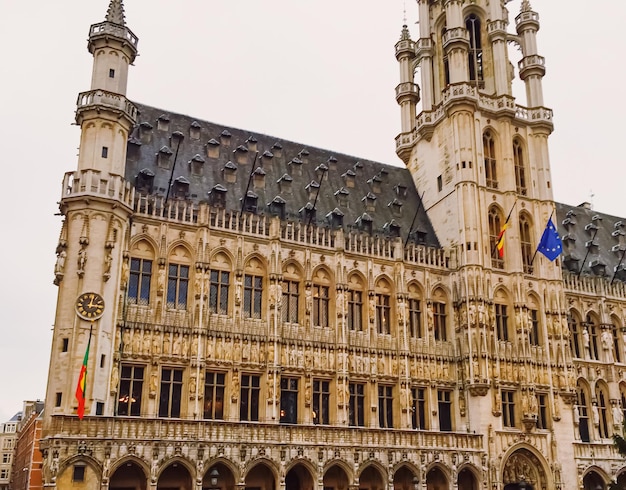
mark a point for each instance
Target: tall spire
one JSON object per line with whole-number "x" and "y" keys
{"x": 115, "y": 12}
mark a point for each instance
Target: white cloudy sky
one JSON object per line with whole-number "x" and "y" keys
{"x": 321, "y": 72}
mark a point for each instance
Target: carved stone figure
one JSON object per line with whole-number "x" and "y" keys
{"x": 60, "y": 263}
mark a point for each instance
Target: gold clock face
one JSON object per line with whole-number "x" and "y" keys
{"x": 90, "y": 306}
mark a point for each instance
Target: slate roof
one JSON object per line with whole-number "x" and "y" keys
{"x": 593, "y": 241}
{"x": 219, "y": 159}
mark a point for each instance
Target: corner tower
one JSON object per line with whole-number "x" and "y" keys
{"x": 481, "y": 160}
{"x": 472, "y": 146}
{"x": 96, "y": 208}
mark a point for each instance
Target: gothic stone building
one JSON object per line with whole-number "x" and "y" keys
{"x": 260, "y": 314}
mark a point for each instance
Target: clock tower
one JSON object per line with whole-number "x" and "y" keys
{"x": 96, "y": 209}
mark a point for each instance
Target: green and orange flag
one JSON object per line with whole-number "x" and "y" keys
{"x": 81, "y": 387}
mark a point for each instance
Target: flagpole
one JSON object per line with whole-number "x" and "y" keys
{"x": 582, "y": 266}
{"x": 537, "y": 249}
{"x": 503, "y": 228}
{"x": 617, "y": 266}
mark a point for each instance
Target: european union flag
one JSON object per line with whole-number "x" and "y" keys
{"x": 550, "y": 244}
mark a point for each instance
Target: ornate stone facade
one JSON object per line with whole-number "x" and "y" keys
{"x": 253, "y": 337}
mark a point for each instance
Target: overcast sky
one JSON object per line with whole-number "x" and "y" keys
{"x": 319, "y": 72}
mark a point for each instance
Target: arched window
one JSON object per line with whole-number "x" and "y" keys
{"x": 383, "y": 307}
{"x": 581, "y": 412}
{"x": 495, "y": 228}
{"x": 603, "y": 413}
{"x": 178, "y": 278}
{"x": 502, "y": 312}
{"x": 590, "y": 339}
{"x": 622, "y": 392}
{"x": 446, "y": 64}
{"x": 321, "y": 298}
{"x": 219, "y": 283}
{"x": 576, "y": 346}
{"x": 617, "y": 343}
{"x": 489, "y": 151}
{"x": 438, "y": 312}
{"x": 252, "y": 288}
{"x": 140, "y": 270}
{"x": 520, "y": 169}
{"x": 525, "y": 243}
{"x": 290, "y": 305}
{"x": 414, "y": 311}
{"x": 355, "y": 296}
{"x": 475, "y": 61}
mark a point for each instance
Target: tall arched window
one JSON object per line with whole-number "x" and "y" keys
{"x": 581, "y": 412}
{"x": 489, "y": 151}
{"x": 602, "y": 399}
{"x": 520, "y": 169}
{"x": 495, "y": 227}
{"x": 575, "y": 335}
{"x": 475, "y": 61}
{"x": 525, "y": 243}
{"x": 446, "y": 64}
{"x": 591, "y": 337}
{"x": 617, "y": 343}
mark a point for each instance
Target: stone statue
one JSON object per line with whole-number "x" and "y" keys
{"x": 60, "y": 264}
{"x": 82, "y": 259}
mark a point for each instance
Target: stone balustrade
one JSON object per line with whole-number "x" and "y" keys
{"x": 143, "y": 431}
{"x": 94, "y": 183}
{"x": 110, "y": 29}
{"x": 103, "y": 99}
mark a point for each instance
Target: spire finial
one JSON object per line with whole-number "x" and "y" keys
{"x": 404, "y": 16}
{"x": 526, "y": 6}
{"x": 115, "y": 12}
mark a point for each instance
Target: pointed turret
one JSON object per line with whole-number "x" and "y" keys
{"x": 407, "y": 92}
{"x": 115, "y": 13}
{"x": 532, "y": 66}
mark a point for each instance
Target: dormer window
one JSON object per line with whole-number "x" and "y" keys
{"x": 320, "y": 171}
{"x": 230, "y": 172}
{"x": 145, "y": 132}
{"x": 349, "y": 178}
{"x": 335, "y": 218}
{"x": 241, "y": 154}
{"x": 364, "y": 223}
{"x": 370, "y": 202}
{"x": 332, "y": 163}
{"x": 217, "y": 196}
{"x": 392, "y": 228}
{"x": 176, "y": 138}
{"x": 180, "y": 188}
{"x": 400, "y": 190}
{"x": 144, "y": 181}
{"x": 250, "y": 202}
{"x": 295, "y": 166}
{"x": 396, "y": 208}
{"x": 196, "y": 164}
{"x": 277, "y": 207}
{"x": 194, "y": 131}
{"x": 213, "y": 148}
{"x": 277, "y": 149}
{"x": 266, "y": 159}
{"x": 304, "y": 155}
{"x": 284, "y": 183}
{"x": 307, "y": 213}
{"x": 258, "y": 177}
{"x": 375, "y": 183}
{"x": 342, "y": 197}
{"x": 225, "y": 138}
{"x": 313, "y": 189}
{"x": 163, "y": 123}
{"x": 252, "y": 143}
{"x": 163, "y": 157}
